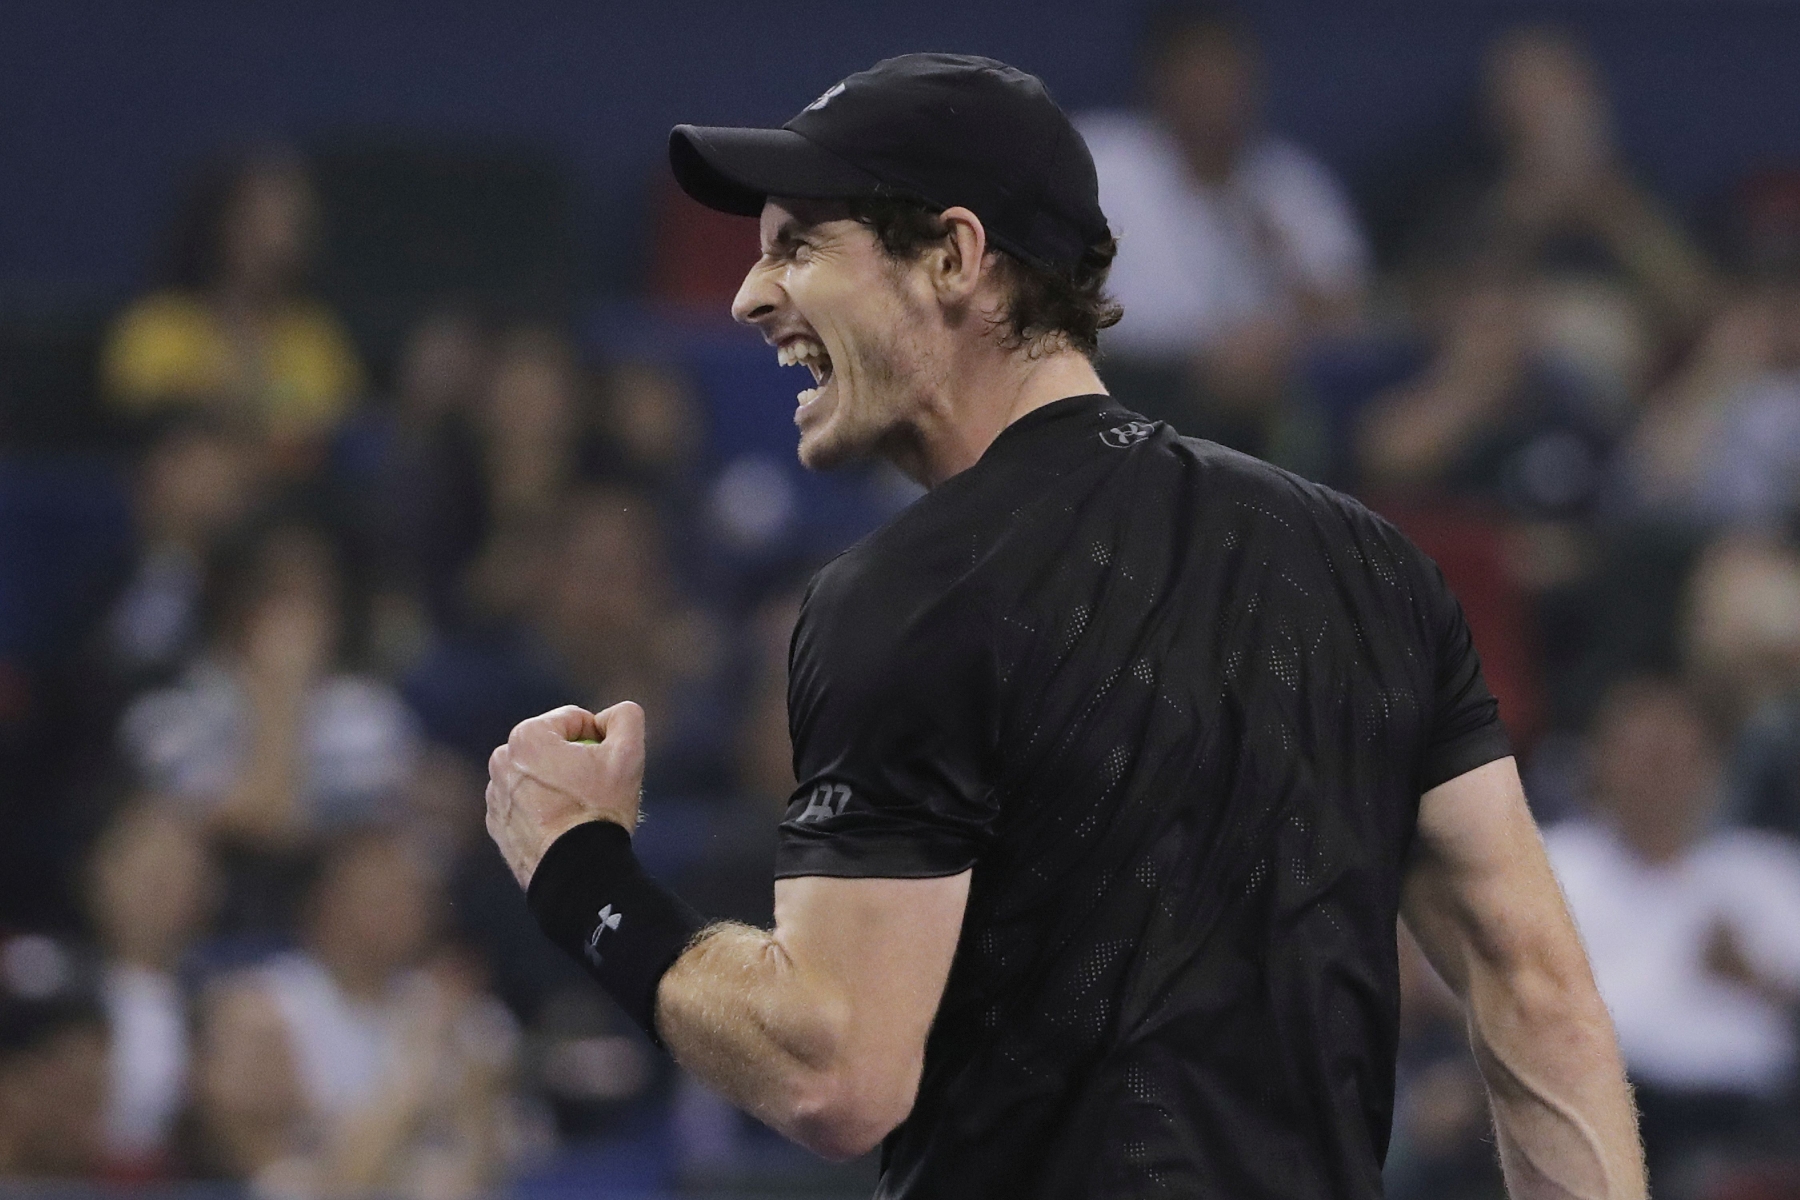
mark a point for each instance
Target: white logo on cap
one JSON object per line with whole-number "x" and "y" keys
{"x": 831, "y": 93}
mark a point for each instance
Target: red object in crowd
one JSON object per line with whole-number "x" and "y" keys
{"x": 1470, "y": 545}
{"x": 699, "y": 256}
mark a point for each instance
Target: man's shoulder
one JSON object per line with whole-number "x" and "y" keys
{"x": 1245, "y": 479}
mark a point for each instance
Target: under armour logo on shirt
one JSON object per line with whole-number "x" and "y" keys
{"x": 1128, "y": 434}
{"x": 608, "y": 920}
{"x": 827, "y": 801}
{"x": 831, "y": 93}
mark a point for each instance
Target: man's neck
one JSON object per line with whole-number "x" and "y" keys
{"x": 977, "y": 400}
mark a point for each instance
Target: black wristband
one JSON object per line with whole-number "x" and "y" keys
{"x": 592, "y": 898}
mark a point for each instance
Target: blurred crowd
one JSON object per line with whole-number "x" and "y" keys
{"x": 279, "y": 948}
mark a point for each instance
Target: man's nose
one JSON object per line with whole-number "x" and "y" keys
{"x": 756, "y": 297}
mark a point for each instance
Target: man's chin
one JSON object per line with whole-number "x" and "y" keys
{"x": 823, "y": 450}
{"x": 820, "y": 453}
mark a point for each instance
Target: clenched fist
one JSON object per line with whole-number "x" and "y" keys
{"x": 545, "y": 780}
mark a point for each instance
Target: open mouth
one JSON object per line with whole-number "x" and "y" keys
{"x": 804, "y": 352}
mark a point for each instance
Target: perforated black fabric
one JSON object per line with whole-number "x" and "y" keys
{"x": 1176, "y": 708}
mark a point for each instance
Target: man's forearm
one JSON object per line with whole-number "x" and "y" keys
{"x": 1562, "y": 1108}
{"x": 737, "y": 1011}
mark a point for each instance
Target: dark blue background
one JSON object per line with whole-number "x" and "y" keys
{"x": 103, "y": 104}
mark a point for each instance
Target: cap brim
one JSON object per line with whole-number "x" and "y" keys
{"x": 735, "y": 170}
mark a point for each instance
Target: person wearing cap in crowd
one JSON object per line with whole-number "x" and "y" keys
{"x": 1118, "y": 753}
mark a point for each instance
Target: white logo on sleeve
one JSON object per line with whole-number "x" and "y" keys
{"x": 1128, "y": 434}
{"x": 831, "y": 93}
{"x": 608, "y": 920}
{"x": 826, "y": 802}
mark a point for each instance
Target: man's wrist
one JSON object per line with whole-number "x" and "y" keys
{"x": 592, "y": 898}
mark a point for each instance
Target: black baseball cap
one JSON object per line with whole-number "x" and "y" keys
{"x": 946, "y": 129}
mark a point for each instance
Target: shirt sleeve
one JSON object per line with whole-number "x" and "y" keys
{"x": 888, "y": 707}
{"x": 1465, "y": 727}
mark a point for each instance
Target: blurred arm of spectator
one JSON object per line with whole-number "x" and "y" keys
{"x": 247, "y": 1089}
{"x": 532, "y": 423}
{"x": 53, "y": 1047}
{"x": 152, "y": 887}
{"x": 1670, "y": 451}
{"x": 1414, "y": 434}
{"x": 1564, "y": 174}
{"x": 385, "y": 1077}
{"x": 233, "y": 331}
{"x": 270, "y": 735}
{"x": 440, "y": 1070}
{"x": 286, "y": 652}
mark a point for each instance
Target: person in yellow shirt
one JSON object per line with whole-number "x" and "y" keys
{"x": 234, "y": 332}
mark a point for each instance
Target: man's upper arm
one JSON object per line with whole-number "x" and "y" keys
{"x": 1479, "y": 891}
{"x": 883, "y": 948}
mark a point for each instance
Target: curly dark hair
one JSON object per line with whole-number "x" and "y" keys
{"x": 1050, "y": 307}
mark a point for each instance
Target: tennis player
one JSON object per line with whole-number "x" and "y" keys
{"x": 1120, "y": 753}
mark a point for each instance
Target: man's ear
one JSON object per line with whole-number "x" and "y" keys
{"x": 955, "y": 263}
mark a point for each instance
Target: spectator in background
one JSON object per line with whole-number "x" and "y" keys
{"x": 1234, "y": 244}
{"x": 532, "y": 424}
{"x": 53, "y": 1049}
{"x": 232, "y": 330}
{"x": 1554, "y": 195}
{"x": 412, "y": 469}
{"x": 615, "y": 618}
{"x": 1741, "y": 643}
{"x": 368, "y": 1061}
{"x": 1491, "y": 418}
{"x": 1693, "y": 928}
{"x": 196, "y": 480}
{"x": 1720, "y": 443}
{"x": 151, "y": 890}
{"x": 270, "y": 736}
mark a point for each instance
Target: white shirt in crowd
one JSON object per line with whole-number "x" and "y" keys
{"x": 148, "y": 1060}
{"x": 1648, "y": 928}
{"x": 345, "y": 1048}
{"x": 1195, "y": 260}
{"x": 360, "y": 742}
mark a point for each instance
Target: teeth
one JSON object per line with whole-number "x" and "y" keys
{"x": 795, "y": 353}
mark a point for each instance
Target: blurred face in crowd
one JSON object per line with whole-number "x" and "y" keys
{"x": 1740, "y": 637}
{"x": 1655, "y": 767}
{"x": 1546, "y": 103}
{"x": 1206, "y": 89}
{"x": 266, "y": 230}
{"x": 52, "y": 1096}
{"x": 653, "y": 417}
{"x": 292, "y": 620}
{"x": 193, "y": 484}
{"x": 153, "y": 886}
{"x": 443, "y": 367}
{"x": 611, "y": 576}
{"x": 373, "y": 910}
{"x": 827, "y": 295}
{"x": 534, "y": 389}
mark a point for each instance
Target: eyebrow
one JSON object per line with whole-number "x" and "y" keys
{"x": 789, "y": 233}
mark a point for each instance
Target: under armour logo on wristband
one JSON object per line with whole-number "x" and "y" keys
{"x": 608, "y": 920}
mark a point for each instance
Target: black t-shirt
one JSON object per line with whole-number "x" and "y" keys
{"x": 1176, "y": 708}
